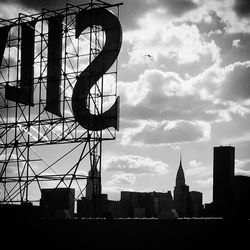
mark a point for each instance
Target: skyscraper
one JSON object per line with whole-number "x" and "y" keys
{"x": 223, "y": 174}
{"x": 181, "y": 193}
{"x": 93, "y": 187}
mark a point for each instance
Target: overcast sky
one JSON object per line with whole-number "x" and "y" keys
{"x": 183, "y": 78}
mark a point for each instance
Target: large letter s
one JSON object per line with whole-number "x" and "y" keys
{"x": 113, "y": 31}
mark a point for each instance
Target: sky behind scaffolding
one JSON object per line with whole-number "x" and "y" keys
{"x": 183, "y": 78}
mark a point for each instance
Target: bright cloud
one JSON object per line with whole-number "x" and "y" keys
{"x": 236, "y": 43}
{"x": 205, "y": 183}
{"x": 197, "y": 168}
{"x": 171, "y": 109}
{"x": 123, "y": 179}
{"x": 135, "y": 164}
{"x": 236, "y": 84}
{"x": 12, "y": 10}
{"x": 151, "y": 133}
{"x": 183, "y": 43}
{"x": 242, "y": 172}
{"x": 242, "y": 164}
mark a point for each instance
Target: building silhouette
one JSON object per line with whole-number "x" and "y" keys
{"x": 181, "y": 193}
{"x": 223, "y": 174}
{"x": 195, "y": 204}
{"x": 58, "y": 202}
{"x": 186, "y": 203}
{"x": 87, "y": 208}
{"x": 94, "y": 202}
{"x": 93, "y": 187}
{"x": 146, "y": 204}
{"x": 131, "y": 205}
{"x": 231, "y": 194}
{"x": 241, "y": 196}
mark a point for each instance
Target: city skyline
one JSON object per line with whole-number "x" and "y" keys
{"x": 183, "y": 75}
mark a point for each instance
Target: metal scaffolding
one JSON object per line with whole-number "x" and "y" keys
{"x": 41, "y": 144}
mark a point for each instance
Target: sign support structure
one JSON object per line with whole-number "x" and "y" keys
{"x": 52, "y": 68}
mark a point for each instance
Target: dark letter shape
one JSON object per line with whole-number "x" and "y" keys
{"x": 54, "y": 65}
{"x": 24, "y": 94}
{"x": 96, "y": 69}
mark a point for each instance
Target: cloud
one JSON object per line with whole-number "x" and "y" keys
{"x": 205, "y": 183}
{"x": 160, "y": 96}
{"x": 12, "y": 9}
{"x": 242, "y": 164}
{"x": 11, "y": 169}
{"x": 38, "y": 5}
{"x": 192, "y": 105}
{"x": 236, "y": 85}
{"x": 15, "y": 164}
{"x": 242, "y": 172}
{"x": 229, "y": 13}
{"x": 211, "y": 23}
{"x": 130, "y": 12}
{"x": 134, "y": 164}
{"x": 183, "y": 43}
{"x": 242, "y": 8}
{"x": 236, "y": 43}
{"x": 197, "y": 168}
{"x": 227, "y": 86}
{"x": 133, "y": 11}
{"x": 123, "y": 179}
{"x": 237, "y": 139}
{"x": 151, "y": 133}
{"x": 179, "y": 7}
{"x": 229, "y": 83}
{"x": 166, "y": 108}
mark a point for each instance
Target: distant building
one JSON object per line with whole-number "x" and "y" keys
{"x": 59, "y": 202}
{"x": 195, "y": 204}
{"x": 129, "y": 200}
{"x": 88, "y": 208}
{"x": 223, "y": 174}
{"x": 139, "y": 212}
{"x": 108, "y": 208}
{"x": 181, "y": 193}
{"x": 241, "y": 196}
{"x": 114, "y": 209}
{"x": 186, "y": 203}
{"x": 145, "y": 204}
{"x": 163, "y": 204}
{"x": 84, "y": 208}
{"x": 93, "y": 187}
{"x": 231, "y": 194}
{"x": 90, "y": 205}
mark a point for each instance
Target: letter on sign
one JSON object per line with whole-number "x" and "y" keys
{"x": 24, "y": 94}
{"x": 96, "y": 69}
{"x": 54, "y": 65}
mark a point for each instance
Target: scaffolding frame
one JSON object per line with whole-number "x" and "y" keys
{"x": 25, "y": 131}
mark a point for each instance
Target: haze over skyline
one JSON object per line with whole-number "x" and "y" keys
{"x": 183, "y": 78}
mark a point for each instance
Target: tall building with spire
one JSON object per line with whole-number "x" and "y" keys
{"x": 181, "y": 193}
{"x": 93, "y": 187}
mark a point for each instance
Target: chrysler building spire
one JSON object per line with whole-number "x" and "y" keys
{"x": 180, "y": 177}
{"x": 181, "y": 192}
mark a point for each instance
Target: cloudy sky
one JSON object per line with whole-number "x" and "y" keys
{"x": 183, "y": 80}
